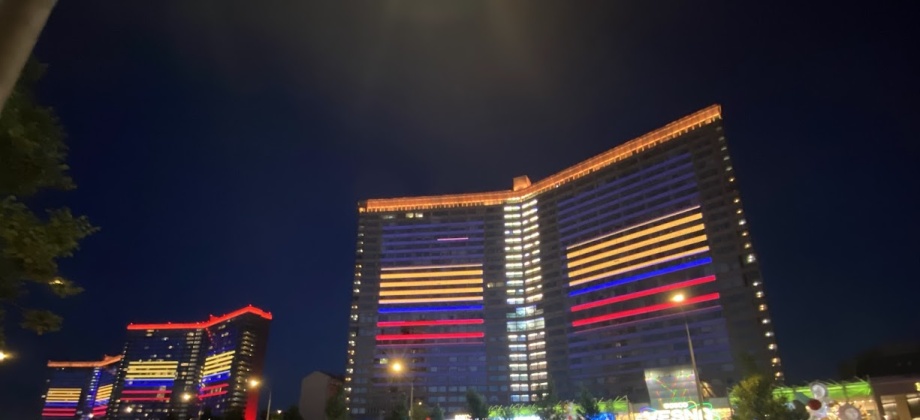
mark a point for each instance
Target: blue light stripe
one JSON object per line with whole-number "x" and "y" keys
{"x": 149, "y": 382}
{"x": 620, "y": 184}
{"x": 411, "y": 226}
{"x": 430, "y": 309}
{"x": 216, "y": 376}
{"x": 637, "y": 277}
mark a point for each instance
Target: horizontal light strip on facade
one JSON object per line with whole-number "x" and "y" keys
{"x": 678, "y": 222}
{"x": 642, "y": 293}
{"x": 638, "y": 255}
{"x": 430, "y": 283}
{"x": 402, "y": 337}
{"x": 385, "y": 276}
{"x": 415, "y": 292}
{"x": 430, "y": 323}
{"x": 428, "y": 267}
{"x": 430, "y": 309}
{"x": 448, "y": 299}
{"x": 640, "y": 265}
{"x": 637, "y": 245}
{"x": 642, "y": 276}
{"x": 644, "y": 310}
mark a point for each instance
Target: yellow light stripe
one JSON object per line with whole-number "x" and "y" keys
{"x": 430, "y": 283}
{"x": 614, "y": 241}
{"x": 150, "y": 376}
{"x": 212, "y": 371}
{"x": 627, "y": 229}
{"x": 637, "y": 245}
{"x": 430, "y": 291}
{"x": 632, "y": 257}
{"x": 219, "y": 358}
{"x": 449, "y": 299}
{"x": 638, "y": 266}
{"x": 385, "y": 276}
{"x": 428, "y": 267}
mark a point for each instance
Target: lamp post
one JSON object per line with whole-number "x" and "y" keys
{"x": 679, "y": 300}
{"x": 255, "y": 383}
{"x": 398, "y": 368}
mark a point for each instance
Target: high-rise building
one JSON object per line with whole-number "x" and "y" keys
{"x": 573, "y": 280}
{"x": 79, "y": 390}
{"x": 184, "y": 369}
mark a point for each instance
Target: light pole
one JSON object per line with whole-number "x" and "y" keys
{"x": 255, "y": 383}
{"x": 679, "y": 300}
{"x": 398, "y": 368}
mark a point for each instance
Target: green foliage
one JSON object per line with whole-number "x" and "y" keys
{"x": 476, "y": 405}
{"x": 235, "y": 414}
{"x": 398, "y": 412}
{"x": 32, "y": 154}
{"x": 587, "y": 405}
{"x": 548, "y": 407}
{"x": 292, "y": 413}
{"x": 419, "y": 412}
{"x": 754, "y": 398}
{"x": 437, "y": 413}
{"x": 336, "y": 409}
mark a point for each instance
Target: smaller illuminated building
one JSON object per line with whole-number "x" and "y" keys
{"x": 184, "y": 369}
{"x": 79, "y": 390}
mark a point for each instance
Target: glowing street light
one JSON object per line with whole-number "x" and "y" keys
{"x": 254, "y": 383}
{"x": 186, "y": 396}
{"x": 679, "y": 300}
{"x": 397, "y": 368}
{"x": 4, "y": 355}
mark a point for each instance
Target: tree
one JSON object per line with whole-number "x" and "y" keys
{"x": 398, "y": 412}
{"x": 437, "y": 413}
{"x": 419, "y": 412}
{"x": 548, "y": 404}
{"x": 587, "y": 405}
{"x": 476, "y": 405}
{"x": 234, "y": 414}
{"x": 32, "y": 154}
{"x": 292, "y": 413}
{"x": 506, "y": 413}
{"x": 754, "y": 399}
{"x": 336, "y": 409}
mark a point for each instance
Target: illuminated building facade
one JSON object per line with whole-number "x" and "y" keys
{"x": 184, "y": 369}
{"x": 79, "y": 390}
{"x": 570, "y": 279}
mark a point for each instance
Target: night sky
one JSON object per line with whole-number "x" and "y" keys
{"x": 222, "y": 147}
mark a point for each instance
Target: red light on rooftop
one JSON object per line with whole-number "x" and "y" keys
{"x": 197, "y": 325}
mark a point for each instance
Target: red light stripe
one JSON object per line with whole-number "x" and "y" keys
{"x": 214, "y": 394}
{"x": 196, "y": 325}
{"x": 652, "y": 291}
{"x": 644, "y": 310}
{"x": 145, "y": 399}
{"x": 44, "y": 414}
{"x": 424, "y": 323}
{"x": 59, "y": 409}
{"x": 147, "y": 391}
{"x": 205, "y": 388}
{"x": 398, "y": 337}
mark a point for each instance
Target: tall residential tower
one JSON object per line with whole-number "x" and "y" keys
{"x": 79, "y": 390}
{"x": 571, "y": 280}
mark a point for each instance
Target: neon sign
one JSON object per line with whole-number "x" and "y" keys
{"x": 687, "y": 410}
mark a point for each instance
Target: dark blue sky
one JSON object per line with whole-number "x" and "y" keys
{"x": 222, "y": 145}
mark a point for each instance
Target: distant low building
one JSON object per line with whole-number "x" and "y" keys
{"x": 79, "y": 389}
{"x": 315, "y": 389}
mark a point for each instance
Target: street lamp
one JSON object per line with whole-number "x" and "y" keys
{"x": 255, "y": 383}
{"x": 4, "y": 355}
{"x": 397, "y": 368}
{"x": 679, "y": 300}
{"x": 186, "y": 396}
